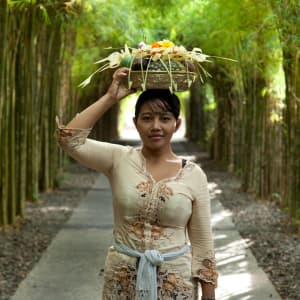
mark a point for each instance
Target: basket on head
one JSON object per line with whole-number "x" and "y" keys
{"x": 159, "y": 65}
{"x": 175, "y": 81}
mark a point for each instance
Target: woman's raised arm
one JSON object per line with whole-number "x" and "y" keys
{"x": 117, "y": 91}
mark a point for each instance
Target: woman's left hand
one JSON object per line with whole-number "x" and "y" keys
{"x": 118, "y": 89}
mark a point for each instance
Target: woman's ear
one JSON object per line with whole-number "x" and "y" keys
{"x": 178, "y": 123}
{"x": 134, "y": 120}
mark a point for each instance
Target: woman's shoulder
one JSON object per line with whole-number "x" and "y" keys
{"x": 111, "y": 149}
{"x": 129, "y": 149}
{"x": 196, "y": 180}
{"x": 121, "y": 150}
{"x": 195, "y": 169}
{"x": 112, "y": 145}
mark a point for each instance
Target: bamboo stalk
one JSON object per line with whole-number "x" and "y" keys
{"x": 30, "y": 83}
{"x": 13, "y": 187}
{"x": 3, "y": 47}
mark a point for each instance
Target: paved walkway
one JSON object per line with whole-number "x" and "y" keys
{"x": 70, "y": 269}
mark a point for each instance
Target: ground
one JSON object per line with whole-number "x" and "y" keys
{"x": 21, "y": 247}
{"x": 270, "y": 234}
{"x": 273, "y": 239}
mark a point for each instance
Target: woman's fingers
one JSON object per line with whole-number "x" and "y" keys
{"x": 118, "y": 88}
{"x": 121, "y": 73}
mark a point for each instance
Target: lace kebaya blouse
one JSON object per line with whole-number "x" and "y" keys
{"x": 149, "y": 214}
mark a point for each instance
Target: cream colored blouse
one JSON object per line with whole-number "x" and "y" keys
{"x": 161, "y": 215}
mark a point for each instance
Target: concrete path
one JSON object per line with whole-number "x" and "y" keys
{"x": 70, "y": 269}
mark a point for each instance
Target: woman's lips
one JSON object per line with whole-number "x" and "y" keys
{"x": 156, "y": 137}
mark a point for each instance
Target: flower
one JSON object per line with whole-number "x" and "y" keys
{"x": 155, "y": 45}
{"x": 162, "y": 44}
{"x": 167, "y": 44}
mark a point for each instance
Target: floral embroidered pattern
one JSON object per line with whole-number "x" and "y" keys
{"x": 172, "y": 287}
{"x": 138, "y": 228}
{"x": 121, "y": 285}
{"x": 157, "y": 232}
{"x": 151, "y": 205}
{"x": 71, "y": 137}
{"x": 164, "y": 192}
{"x": 145, "y": 188}
{"x": 209, "y": 273}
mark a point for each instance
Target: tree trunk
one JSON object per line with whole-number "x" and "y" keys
{"x": 196, "y": 129}
{"x": 292, "y": 144}
{"x": 3, "y": 68}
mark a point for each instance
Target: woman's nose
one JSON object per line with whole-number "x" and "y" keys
{"x": 156, "y": 124}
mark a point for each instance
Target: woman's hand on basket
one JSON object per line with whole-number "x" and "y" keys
{"x": 119, "y": 88}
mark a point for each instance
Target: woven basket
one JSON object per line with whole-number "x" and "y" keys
{"x": 179, "y": 81}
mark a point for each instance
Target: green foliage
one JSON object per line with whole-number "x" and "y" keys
{"x": 32, "y": 77}
{"x": 262, "y": 35}
{"x": 103, "y": 27}
{"x": 211, "y": 103}
{"x": 50, "y": 10}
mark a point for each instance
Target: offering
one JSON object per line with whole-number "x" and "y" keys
{"x": 159, "y": 65}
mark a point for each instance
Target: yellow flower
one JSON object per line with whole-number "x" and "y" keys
{"x": 162, "y": 44}
{"x": 167, "y": 44}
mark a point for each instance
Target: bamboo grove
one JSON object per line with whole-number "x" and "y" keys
{"x": 256, "y": 126}
{"x": 247, "y": 114}
{"x": 33, "y": 47}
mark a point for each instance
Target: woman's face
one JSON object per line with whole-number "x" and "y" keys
{"x": 156, "y": 125}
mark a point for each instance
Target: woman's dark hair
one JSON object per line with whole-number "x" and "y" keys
{"x": 170, "y": 102}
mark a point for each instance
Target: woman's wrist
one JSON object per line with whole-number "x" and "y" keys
{"x": 109, "y": 96}
{"x": 208, "y": 290}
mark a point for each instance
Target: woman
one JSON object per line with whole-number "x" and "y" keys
{"x": 160, "y": 201}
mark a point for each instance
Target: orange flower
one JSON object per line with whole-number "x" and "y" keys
{"x": 155, "y": 45}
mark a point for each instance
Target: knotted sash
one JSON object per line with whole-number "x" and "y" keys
{"x": 146, "y": 282}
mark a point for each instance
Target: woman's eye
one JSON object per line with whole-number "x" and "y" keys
{"x": 166, "y": 118}
{"x": 146, "y": 118}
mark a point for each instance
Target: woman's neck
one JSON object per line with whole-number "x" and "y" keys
{"x": 159, "y": 154}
